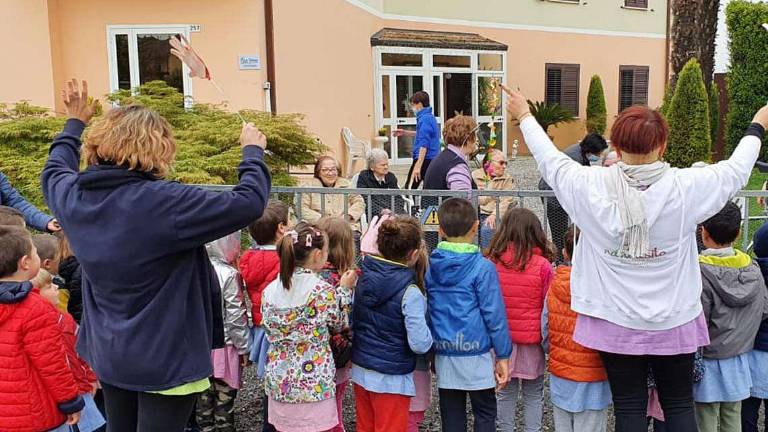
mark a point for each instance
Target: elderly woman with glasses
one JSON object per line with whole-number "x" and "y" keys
{"x": 493, "y": 177}
{"x": 328, "y": 175}
{"x": 377, "y": 176}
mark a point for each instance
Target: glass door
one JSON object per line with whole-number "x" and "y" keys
{"x": 405, "y": 85}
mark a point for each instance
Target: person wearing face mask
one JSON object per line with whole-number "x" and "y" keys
{"x": 426, "y": 139}
{"x": 493, "y": 176}
{"x": 587, "y": 152}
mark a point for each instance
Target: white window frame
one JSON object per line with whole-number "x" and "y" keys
{"x": 428, "y": 71}
{"x": 132, "y": 31}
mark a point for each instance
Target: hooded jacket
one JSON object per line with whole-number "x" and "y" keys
{"x": 37, "y": 387}
{"x": 660, "y": 290}
{"x": 568, "y": 359}
{"x": 734, "y": 298}
{"x": 761, "y": 251}
{"x": 223, "y": 252}
{"x": 150, "y": 295}
{"x": 465, "y": 305}
{"x": 259, "y": 268}
{"x": 523, "y": 292}
{"x": 380, "y": 339}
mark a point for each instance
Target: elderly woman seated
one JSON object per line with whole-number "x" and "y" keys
{"x": 493, "y": 177}
{"x": 327, "y": 175}
{"x": 377, "y": 176}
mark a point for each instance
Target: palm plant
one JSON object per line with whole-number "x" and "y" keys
{"x": 550, "y": 114}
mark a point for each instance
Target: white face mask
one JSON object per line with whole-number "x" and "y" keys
{"x": 594, "y": 160}
{"x": 415, "y": 110}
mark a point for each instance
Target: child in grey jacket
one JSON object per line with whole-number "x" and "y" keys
{"x": 733, "y": 297}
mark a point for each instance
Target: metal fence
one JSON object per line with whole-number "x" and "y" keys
{"x": 417, "y": 203}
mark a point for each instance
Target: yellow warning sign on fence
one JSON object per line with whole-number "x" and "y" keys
{"x": 430, "y": 216}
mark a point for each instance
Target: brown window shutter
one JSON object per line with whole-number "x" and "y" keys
{"x": 570, "y": 88}
{"x": 640, "y": 86}
{"x": 553, "y": 84}
{"x": 636, "y": 3}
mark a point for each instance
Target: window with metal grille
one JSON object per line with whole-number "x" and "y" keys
{"x": 640, "y": 4}
{"x": 562, "y": 86}
{"x": 633, "y": 86}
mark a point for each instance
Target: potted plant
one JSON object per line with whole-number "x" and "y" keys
{"x": 550, "y": 114}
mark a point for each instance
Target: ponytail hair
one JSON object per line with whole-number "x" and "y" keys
{"x": 398, "y": 238}
{"x": 294, "y": 249}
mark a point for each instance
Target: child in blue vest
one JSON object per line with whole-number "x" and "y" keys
{"x": 390, "y": 327}
{"x": 468, "y": 322}
{"x": 758, "y": 357}
{"x": 734, "y": 298}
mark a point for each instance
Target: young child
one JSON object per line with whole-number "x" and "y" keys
{"x": 259, "y": 266}
{"x": 467, "y": 321}
{"x": 341, "y": 257}
{"x": 734, "y": 298}
{"x": 90, "y": 418}
{"x": 71, "y": 294}
{"x": 299, "y": 312}
{"x": 38, "y": 391}
{"x": 390, "y": 327}
{"x": 758, "y": 357}
{"x": 48, "y": 250}
{"x": 216, "y": 406}
{"x": 578, "y": 383}
{"x": 11, "y": 216}
{"x": 522, "y": 255}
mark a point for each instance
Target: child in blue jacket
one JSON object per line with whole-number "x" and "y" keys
{"x": 468, "y": 322}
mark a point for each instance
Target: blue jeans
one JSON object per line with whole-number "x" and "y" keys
{"x": 486, "y": 233}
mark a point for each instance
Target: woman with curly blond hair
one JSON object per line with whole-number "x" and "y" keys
{"x": 151, "y": 306}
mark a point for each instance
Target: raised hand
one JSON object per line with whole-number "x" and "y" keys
{"x": 517, "y": 104}
{"x": 251, "y": 136}
{"x": 78, "y": 104}
{"x": 183, "y": 51}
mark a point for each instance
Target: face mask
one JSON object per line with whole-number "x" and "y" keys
{"x": 593, "y": 160}
{"x": 414, "y": 109}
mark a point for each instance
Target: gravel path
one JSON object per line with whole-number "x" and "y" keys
{"x": 248, "y": 405}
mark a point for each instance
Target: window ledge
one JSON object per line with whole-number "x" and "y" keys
{"x": 642, "y": 9}
{"x": 575, "y": 3}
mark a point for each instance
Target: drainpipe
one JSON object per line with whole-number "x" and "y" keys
{"x": 668, "y": 45}
{"x": 269, "y": 27}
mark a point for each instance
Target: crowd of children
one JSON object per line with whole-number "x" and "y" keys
{"x": 487, "y": 323}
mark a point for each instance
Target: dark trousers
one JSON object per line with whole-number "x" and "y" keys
{"x": 628, "y": 377}
{"x": 750, "y": 411}
{"x": 133, "y": 411}
{"x": 424, "y": 167}
{"x": 453, "y": 410}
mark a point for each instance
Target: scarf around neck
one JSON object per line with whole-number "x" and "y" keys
{"x": 627, "y": 182}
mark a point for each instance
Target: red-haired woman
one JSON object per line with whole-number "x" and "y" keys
{"x": 636, "y": 283}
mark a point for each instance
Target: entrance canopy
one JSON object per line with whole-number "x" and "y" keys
{"x": 434, "y": 39}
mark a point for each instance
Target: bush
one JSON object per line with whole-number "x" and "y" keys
{"x": 714, "y": 111}
{"x": 669, "y": 91}
{"x": 208, "y": 150}
{"x": 597, "y": 115}
{"x": 748, "y": 78}
{"x": 688, "y": 117}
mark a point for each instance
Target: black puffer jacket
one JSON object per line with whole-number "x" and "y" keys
{"x": 69, "y": 270}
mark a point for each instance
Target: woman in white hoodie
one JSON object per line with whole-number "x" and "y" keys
{"x": 636, "y": 283}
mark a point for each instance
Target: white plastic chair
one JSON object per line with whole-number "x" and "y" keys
{"x": 357, "y": 149}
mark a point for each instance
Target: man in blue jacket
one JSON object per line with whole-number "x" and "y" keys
{"x": 426, "y": 143}
{"x": 36, "y": 219}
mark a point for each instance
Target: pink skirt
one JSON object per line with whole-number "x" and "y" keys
{"x": 423, "y": 382}
{"x": 226, "y": 365}
{"x": 527, "y": 361}
{"x": 303, "y": 417}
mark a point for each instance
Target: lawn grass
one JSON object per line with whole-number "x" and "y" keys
{"x": 756, "y": 181}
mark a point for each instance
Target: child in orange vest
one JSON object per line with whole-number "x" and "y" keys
{"x": 522, "y": 255}
{"x": 578, "y": 384}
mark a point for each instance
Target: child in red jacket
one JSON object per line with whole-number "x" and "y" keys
{"x": 522, "y": 254}
{"x": 259, "y": 267}
{"x": 87, "y": 383}
{"x": 38, "y": 391}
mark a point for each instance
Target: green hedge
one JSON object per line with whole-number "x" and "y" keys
{"x": 597, "y": 115}
{"x": 208, "y": 151}
{"x": 688, "y": 117}
{"x": 748, "y": 78}
{"x": 714, "y": 111}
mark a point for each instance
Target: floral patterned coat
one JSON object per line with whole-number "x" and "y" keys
{"x": 298, "y": 323}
